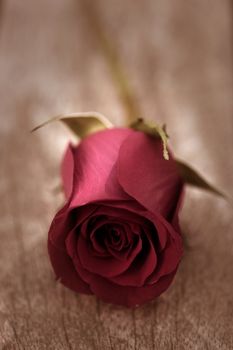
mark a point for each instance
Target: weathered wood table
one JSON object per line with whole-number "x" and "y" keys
{"x": 178, "y": 55}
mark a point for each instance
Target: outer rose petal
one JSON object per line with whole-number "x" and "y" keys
{"x": 65, "y": 271}
{"x": 146, "y": 176}
{"x": 95, "y": 173}
{"x": 61, "y": 262}
{"x": 128, "y": 296}
{"x": 168, "y": 261}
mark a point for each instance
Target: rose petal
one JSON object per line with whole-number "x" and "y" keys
{"x": 83, "y": 273}
{"x": 61, "y": 262}
{"x": 65, "y": 271}
{"x": 122, "y": 211}
{"x": 66, "y": 220}
{"x": 142, "y": 267}
{"x": 92, "y": 231}
{"x": 95, "y": 173}
{"x": 108, "y": 266}
{"x": 122, "y": 249}
{"x": 62, "y": 223}
{"x": 134, "y": 212}
{"x": 168, "y": 261}
{"x": 146, "y": 176}
{"x": 127, "y": 296}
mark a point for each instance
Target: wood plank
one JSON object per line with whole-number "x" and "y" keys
{"x": 179, "y": 58}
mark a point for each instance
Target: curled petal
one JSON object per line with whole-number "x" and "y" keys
{"x": 142, "y": 267}
{"x": 107, "y": 267}
{"x": 134, "y": 212}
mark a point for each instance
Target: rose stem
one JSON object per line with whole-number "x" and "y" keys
{"x": 112, "y": 58}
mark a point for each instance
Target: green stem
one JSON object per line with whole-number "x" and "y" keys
{"x": 110, "y": 53}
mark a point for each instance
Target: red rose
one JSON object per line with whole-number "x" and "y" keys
{"x": 118, "y": 235}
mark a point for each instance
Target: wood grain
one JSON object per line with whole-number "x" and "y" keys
{"x": 178, "y": 56}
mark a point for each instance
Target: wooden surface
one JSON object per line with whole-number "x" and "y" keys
{"x": 178, "y": 55}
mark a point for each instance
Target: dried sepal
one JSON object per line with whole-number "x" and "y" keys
{"x": 193, "y": 178}
{"x": 154, "y": 130}
{"x": 81, "y": 124}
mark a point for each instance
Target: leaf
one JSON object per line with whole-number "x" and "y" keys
{"x": 193, "y": 178}
{"x": 154, "y": 130}
{"x": 81, "y": 124}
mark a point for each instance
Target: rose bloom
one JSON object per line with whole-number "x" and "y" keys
{"x": 118, "y": 235}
